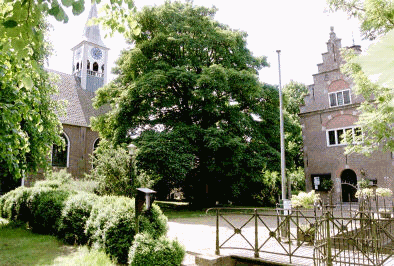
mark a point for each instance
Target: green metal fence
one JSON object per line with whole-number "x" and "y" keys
{"x": 345, "y": 234}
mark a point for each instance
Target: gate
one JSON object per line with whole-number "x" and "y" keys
{"x": 353, "y": 237}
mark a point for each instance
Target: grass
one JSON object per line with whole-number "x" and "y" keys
{"x": 19, "y": 246}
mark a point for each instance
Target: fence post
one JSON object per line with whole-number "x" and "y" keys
{"x": 256, "y": 234}
{"x": 217, "y": 232}
{"x": 329, "y": 255}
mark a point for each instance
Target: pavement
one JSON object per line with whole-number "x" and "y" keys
{"x": 198, "y": 234}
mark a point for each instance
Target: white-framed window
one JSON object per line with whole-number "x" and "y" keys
{"x": 339, "y": 98}
{"x": 60, "y": 156}
{"x": 336, "y": 137}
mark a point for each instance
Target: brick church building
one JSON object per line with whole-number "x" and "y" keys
{"x": 89, "y": 72}
{"x": 330, "y": 109}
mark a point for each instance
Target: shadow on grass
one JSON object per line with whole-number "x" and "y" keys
{"x": 19, "y": 246}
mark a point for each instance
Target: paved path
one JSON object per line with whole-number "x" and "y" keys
{"x": 198, "y": 235}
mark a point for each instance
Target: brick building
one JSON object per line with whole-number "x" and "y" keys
{"x": 330, "y": 110}
{"x": 89, "y": 72}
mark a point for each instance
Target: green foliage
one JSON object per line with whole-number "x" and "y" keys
{"x": 62, "y": 175}
{"x": 305, "y": 200}
{"x": 297, "y": 179}
{"x": 74, "y": 215}
{"x": 293, "y": 97}
{"x": 269, "y": 184}
{"x": 29, "y": 123}
{"x": 375, "y": 16}
{"x": 189, "y": 92}
{"x": 115, "y": 172}
{"x": 111, "y": 225}
{"x": 14, "y": 205}
{"x": 46, "y": 208}
{"x": 150, "y": 251}
{"x": 375, "y": 118}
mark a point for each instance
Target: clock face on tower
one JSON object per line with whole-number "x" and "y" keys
{"x": 96, "y": 53}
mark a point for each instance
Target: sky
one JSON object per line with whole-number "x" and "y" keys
{"x": 300, "y": 29}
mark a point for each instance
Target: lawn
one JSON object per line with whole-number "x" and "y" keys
{"x": 19, "y": 246}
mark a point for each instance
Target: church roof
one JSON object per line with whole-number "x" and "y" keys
{"x": 92, "y": 33}
{"x": 79, "y": 107}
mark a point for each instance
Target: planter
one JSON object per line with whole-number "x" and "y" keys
{"x": 306, "y": 233}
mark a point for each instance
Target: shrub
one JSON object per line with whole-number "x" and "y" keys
{"x": 63, "y": 176}
{"x": 13, "y": 205}
{"x": 306, "y": 200}
{"x": 75, "y": 213}
{"x": 153, "y": 222}
{"x": 48, "y": 183}
{"x": 111, "y": 225}
{"x": 46, "y": 208}
{"x": 112, "y": 171}
{"x": 159, "y": 252}
{"x": 81, "y": 185}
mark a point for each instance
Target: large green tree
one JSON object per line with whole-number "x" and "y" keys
{"x": 189, "y": 94}
{"x": 376, "y": 20}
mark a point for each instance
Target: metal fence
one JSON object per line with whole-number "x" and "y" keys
{"x": 344, "y": 234}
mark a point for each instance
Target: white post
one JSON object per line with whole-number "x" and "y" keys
{"x": 282, "y": 138}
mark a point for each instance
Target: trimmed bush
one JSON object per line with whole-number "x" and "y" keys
{"x": 111, "y": 225}
{"x": 74, "y": 216}
{"x": 48, "y": 183}
{"x": 46, "y": 208}
{"x": 159, "y": 252}
{"x": 13, "y": 205}
{"x": 153, "y": 222}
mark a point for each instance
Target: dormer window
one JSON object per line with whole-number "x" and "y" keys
{"x": 339, "y": 98}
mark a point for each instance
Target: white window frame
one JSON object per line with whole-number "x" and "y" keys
{"x": 336, "y": 98}
{"x": 68, "y": 151}
{"x": 336, "y": 135}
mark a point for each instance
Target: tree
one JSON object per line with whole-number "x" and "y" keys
{"x": 376, "y": 119}
{"x": 293, "y": 97}
{"x": 375, "y": 16}
{"x": 188, "y": 92}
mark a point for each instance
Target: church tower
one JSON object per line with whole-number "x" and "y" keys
{"x": 90, "y": 57}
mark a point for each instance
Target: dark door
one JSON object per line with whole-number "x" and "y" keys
{"x": 349, "y": 185}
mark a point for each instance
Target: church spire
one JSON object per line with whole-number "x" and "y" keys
{"x": 90, "y": 57}
{"x": 91, "y": 33}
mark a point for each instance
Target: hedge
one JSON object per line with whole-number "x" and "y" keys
{"x": 111, "y": 225}
{"x": 46, "y": 207}
{"x": 73, "y": 219}
{"x": 106, "y": 222}
{"x": 159, "y": 252}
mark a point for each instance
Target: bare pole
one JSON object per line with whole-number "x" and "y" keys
{"x": 282, "y": 138}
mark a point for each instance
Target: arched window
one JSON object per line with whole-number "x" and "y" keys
{"x": 95, "y": 66}
{"x": 88, "y": 65}
{"x": 102, "y": 68}
{"x": 78, "y": 66}
{"x": 95, "y": 144}
{"x": 59, "y": 154}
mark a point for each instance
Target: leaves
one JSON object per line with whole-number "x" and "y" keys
{"x": 10, "y": 23}
{"x": 186, "y": 91}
